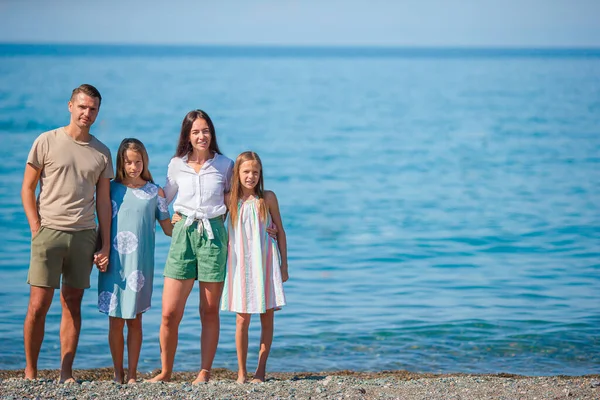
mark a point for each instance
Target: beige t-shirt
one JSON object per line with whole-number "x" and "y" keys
{"x": 70, "y": 172}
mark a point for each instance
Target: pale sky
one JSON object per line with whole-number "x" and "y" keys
{"x": 510, "y": 23}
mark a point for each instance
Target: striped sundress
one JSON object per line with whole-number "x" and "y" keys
{"x": 253, "y": 282}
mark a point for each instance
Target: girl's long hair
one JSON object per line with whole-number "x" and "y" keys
{"x": 236, "y": 187}
{"x": 137, "y": 146}
{"x": 184, "y": 146}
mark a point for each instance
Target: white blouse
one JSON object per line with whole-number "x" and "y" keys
{"x": 200, "y": 196}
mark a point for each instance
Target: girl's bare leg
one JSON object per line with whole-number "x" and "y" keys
{"x": 117, "y": 346}
{"x": 134, "y": 346}
{"x": 175, "y": 294}
{"x": 210, "y": 296}
{"x": 266, "y": 339}
{"x": 242, "y": 323}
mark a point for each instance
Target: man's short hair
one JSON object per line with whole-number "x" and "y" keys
{"x": 89, "y": 90}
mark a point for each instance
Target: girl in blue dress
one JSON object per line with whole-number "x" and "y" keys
{"x": 125, "y": 286}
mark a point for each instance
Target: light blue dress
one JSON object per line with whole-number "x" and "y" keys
{"x": 125, "y": 289}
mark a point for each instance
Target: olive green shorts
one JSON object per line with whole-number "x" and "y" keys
{"x": 193, "y": 255}
{"x": 61, "y": 252}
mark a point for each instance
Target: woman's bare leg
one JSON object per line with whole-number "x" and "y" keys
{"x": 210, "y": 296}
{"x": 175, "y": 294}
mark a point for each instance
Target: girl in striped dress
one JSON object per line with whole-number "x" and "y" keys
{"x": 256, "y": 264}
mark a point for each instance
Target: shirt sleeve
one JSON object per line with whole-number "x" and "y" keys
{"x": 37, "y": 154}
{"x": 162, "y": 209}
{"x": 171, "y": 188}
{"x": 228, "y": 176}
{"x": 108, "y": 169}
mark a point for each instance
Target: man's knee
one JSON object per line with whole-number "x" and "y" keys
{"x": 40, "y": 299}
{"x": 71, "y": 299}
{"x": 38, "y": 309}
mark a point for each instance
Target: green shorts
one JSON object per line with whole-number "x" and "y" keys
{"x": 61, "y": 252}
{"x": 193, "y": 255}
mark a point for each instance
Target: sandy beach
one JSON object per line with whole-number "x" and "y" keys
{"x": 97, "y": 383}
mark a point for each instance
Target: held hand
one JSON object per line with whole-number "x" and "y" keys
{"x": 272, "y": 231}
{"x": 176, "y": 218}
{"x": 284, "y": 273}
{"x": 101, "y": 259}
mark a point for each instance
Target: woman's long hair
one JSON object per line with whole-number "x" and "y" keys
{"x": 137, "y": 146}
{"x": 236, "y": 187}
{"x": 184, "y": 147}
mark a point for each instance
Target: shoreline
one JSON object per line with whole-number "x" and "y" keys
{"x": 343, "y": 384}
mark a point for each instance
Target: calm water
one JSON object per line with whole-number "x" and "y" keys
{"x": 442, "y": 211}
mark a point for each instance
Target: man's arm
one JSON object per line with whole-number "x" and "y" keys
{"x": 30, "y": 182}
{"x": 104, "y": 210}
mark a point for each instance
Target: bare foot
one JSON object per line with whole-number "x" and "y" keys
{"x": 162, "y": 377}
{"x": 30, "y": 373}
{"x": 132, "y": 381}
{"x": 241, "y": 378}
{"x": 258, "y": 378}
{"x": 203, "y": 377}
{"x": 67, "y": 381}
{"x": 118, "y": 377}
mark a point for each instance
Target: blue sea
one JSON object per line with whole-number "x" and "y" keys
{"x": 442, "y": 206}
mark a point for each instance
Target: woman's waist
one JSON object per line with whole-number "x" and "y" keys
{"x": 208, "y": 212}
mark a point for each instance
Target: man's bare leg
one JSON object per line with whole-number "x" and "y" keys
{"x": 40, "y": 299}
{"x": 70, "y": 327}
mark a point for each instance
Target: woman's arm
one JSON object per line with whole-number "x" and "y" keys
{"x": 171, "y": 187}
{"x": 273, "y": 207}
{"x": 165, "y": 223}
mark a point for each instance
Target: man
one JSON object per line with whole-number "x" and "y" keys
{"x": 71, "y": 166}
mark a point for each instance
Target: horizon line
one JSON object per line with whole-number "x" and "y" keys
{"x": 13, "y": 49}
{"x": 310, "y": 46}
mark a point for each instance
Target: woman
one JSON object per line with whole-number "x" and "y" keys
{"x": 200, "y": 176}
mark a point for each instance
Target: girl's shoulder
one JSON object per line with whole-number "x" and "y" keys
{"x": 152, "y": 184}
{"x": 270, "y": 197}
{"x": 154, "y": 188}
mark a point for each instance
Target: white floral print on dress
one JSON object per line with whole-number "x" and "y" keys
{"x": 107, "y": 302}
{"x": 125, "y": 242}
{"x": 146, "y": 192}
{"x": 136, "y": 280}
{"x": 115, "y": 208}
{"x": 162, "y": 204}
